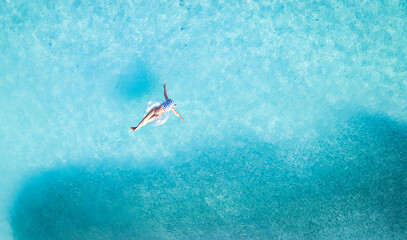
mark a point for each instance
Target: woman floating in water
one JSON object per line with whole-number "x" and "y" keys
{"x": 158, "y": 111}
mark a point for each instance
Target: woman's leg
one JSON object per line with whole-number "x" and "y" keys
{"x": 145, "y": 120}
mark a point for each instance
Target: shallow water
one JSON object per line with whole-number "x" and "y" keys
{"x": 295, "y": 120}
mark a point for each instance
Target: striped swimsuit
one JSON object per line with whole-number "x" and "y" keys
{"x": 168, "y": 104}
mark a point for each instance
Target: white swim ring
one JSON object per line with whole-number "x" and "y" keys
{"x": 162, "y": 119}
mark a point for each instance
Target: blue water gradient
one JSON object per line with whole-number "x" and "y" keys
{"x": 232, "y": 192}
{"x": 295, "y": 120}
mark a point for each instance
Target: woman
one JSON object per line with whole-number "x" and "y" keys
{"x": 158, "y": 111}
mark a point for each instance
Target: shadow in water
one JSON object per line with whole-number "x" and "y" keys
{"x": 355, "y": 188}
{"x": 135, "y": 81}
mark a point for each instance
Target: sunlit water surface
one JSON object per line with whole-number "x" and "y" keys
{"x": 295, "y": 120}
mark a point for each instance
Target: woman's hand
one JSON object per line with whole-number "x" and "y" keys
{"x": 165, "y": 84}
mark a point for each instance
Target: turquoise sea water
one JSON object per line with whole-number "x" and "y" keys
{"x": 295, "y": 120}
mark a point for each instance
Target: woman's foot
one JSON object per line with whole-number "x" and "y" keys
{"x": 133, "y": 128}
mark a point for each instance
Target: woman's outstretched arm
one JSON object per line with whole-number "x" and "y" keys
{"x": 177, "y": 114}
{"x": 165, "y": 91}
